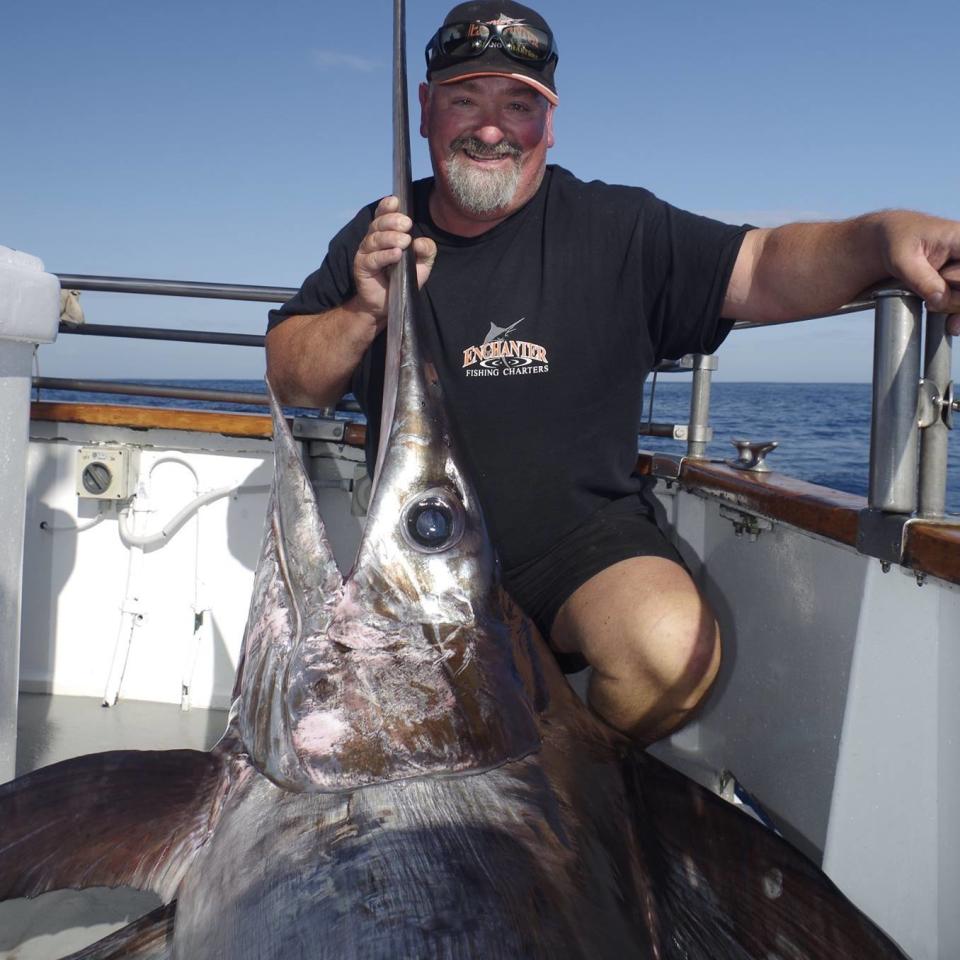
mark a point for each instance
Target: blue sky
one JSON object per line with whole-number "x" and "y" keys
{"x": 229, "y": 141}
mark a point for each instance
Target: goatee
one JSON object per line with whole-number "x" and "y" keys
{"x": 478, "y": 191}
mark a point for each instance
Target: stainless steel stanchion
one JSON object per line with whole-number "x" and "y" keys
{"x": 699, "y": 433}
{"x": 933, "y": 443}
{"x": 894, "y": 434}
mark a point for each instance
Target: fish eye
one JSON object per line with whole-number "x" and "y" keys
{"x": 432, "y": 521}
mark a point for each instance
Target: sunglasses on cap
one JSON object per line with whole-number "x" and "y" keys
{"x": 454, "y": 42}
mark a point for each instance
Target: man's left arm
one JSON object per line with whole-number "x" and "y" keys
{"x": 805, "y": 269}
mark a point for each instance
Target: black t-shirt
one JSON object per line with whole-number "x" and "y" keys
{"x": 543, "y": 330}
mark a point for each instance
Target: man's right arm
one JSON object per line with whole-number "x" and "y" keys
{"x": 310, "y": 358}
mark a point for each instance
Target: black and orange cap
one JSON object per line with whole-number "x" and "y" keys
{"x": 493, "y": 61}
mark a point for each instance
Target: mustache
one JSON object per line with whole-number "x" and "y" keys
{"x": 486, "y": 150}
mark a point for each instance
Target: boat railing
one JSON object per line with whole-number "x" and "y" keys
{"x": 169, "y": 288}
{"x": 910, "y": 421}
{"x": 911, "y": 417}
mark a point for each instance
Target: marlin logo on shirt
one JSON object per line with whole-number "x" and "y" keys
{"x": 498, "y": 333}
{"x": 497, "y": 354}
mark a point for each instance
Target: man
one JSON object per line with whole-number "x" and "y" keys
{"x": 546, "y": 301}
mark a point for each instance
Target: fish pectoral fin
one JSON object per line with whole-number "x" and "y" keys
{"x": 125, "y": 818}
{"x": 729, "y": 887}
{"x": 149, "y": 938}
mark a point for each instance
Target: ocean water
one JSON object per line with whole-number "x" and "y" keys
{"x": 823, "y": 429}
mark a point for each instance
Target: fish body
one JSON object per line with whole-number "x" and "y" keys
{"x": 506, "y": 863}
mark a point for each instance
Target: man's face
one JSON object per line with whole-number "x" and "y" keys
{"x": 488, "y": 141}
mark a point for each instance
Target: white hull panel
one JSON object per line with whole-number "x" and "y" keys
{"x": 836, "y": 707}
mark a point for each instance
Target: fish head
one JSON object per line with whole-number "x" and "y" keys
{"x": 417, "y": 662}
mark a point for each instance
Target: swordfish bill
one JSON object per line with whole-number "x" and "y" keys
{"x": 405, "y": 771}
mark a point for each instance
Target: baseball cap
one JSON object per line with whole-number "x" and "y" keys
{"x": 494, "y": 39}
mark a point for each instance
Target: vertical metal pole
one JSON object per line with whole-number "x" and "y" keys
{"x": 894, "y": 434}
{"x": 698, "y": 431}
{"x": 933, "y": 441}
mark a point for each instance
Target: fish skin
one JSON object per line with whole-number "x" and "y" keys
{"x": 451, "y": 867}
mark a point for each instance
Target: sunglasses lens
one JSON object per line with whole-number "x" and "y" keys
{"x": 463, "y": 39}
{"x": 460, "y": 41}
{"x": 525, "y": 43}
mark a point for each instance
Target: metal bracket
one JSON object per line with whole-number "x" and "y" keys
{"x": 929, "y": 410}
{"x": 678, "y": 431}
{"x": 750, "y": 455}
{"x": 746, "y": 523}
{"x": 319, "y": 428}
{"x": 933, "y": 408}
{"x": 880, "y": 535}
{"x": 689, "y": 361}
{"x": 884, "y": 535}
{"x": 665, "y": 467}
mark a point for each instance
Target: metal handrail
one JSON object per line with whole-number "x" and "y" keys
{"x": 151, "y": 390}
{"x": 164, "y": 333}
{"x": 174, "y": 393}
{"x": 176, "y": 288}
{"x": 171, "y": 288}
{"x": 262, "y": 294}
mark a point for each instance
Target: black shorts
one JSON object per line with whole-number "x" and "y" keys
{"x": 622, "y": 529}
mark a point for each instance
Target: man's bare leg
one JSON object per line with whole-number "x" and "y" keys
{"x": 651, "y": 639}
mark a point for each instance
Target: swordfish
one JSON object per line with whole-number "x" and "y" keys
{"x": 405, "y": 771}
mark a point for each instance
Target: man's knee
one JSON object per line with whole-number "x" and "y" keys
{"x": 679, "y": 653}
{"x": 652, "y": 640}
{"x": 664, "y": 672}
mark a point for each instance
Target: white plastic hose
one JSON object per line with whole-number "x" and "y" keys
{"x": 131, "y": 539}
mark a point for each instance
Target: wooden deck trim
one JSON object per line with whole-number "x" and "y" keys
{"x": 930, "y": 548}
{"x": 934, "y": 549}
{"x": 165, "y": 418}
{"x": 820, "y": 510}
{"x": 160, "y": 418}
